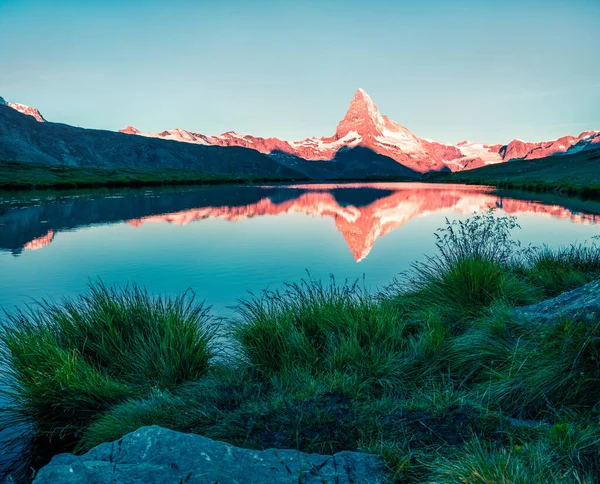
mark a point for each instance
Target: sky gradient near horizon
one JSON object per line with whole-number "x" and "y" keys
{"x": 486, "y": 71}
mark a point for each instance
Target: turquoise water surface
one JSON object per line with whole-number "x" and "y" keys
{"x": 225, "y": 241}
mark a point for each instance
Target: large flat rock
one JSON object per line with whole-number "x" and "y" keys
{"x": 153, "y": 454}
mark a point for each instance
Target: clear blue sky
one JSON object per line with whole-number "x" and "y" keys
{"x": 478, "y": 70}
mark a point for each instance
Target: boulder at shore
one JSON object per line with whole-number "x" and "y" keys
{"x": 153, "y": 454}
{"x": 582, "y": 304}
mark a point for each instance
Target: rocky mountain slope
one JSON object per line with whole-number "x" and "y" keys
{"x": 24, "y": 109}
{"x": 24, "y": 139}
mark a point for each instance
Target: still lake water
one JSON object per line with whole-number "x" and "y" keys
{"x": 225, "y": 241}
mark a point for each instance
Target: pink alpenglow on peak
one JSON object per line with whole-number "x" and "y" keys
{"x": 22, "y": 108}
{"x": 518, "y": 149}
{"x": 129, "y": 130}
{"x": 364, "y": 126}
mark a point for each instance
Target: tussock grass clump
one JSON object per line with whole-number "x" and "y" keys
{"x": 321, "y": 329}
{"x": 489, "y": 343}
{"x": 480, "y": 462}
{"x": 474, "y": 267}
{"x": 66, "y": 362}
{"x": 558, "y": 369}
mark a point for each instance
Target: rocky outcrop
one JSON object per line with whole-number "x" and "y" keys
{"x": 156, "y": 455}
{"x": 582, "y": 304}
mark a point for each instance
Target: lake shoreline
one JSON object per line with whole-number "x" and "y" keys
{"x": 17, "y": 176}
{"x": 590, "y": 192}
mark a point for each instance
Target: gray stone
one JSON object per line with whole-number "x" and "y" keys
{"x": 582, "y": 304}
{"x": 153, "y": 454}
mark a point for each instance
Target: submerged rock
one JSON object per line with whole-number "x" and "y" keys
{"x": 153, "y": 454}
{"x": 582, "y": 303}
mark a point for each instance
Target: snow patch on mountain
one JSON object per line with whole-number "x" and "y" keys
{"x": 22, "y": 108}
{"x": 487, "y": 154}
{"x": 400, "y": 139}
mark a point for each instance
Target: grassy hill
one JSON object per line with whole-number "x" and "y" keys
{"x": 23, "y": 176}
{"x": 576, "y": 174}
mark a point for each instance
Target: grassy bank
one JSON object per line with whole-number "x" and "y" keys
{"x": 435, "y": 374}
{"x": 572, "y": 175}
{"x": 27, "y": 176}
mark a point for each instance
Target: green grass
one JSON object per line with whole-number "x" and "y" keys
{"x": 314, "y": 328}
{"x": 67, "y": 362}
{"x": 576, "y": 174}
{"x": 480, "y": 462}
{"x": 563, "y": 269}
{"x": 434, "y": 374}
{"x": 26, "y": 176}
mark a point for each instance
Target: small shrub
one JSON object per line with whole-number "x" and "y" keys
{"x": 576, "y": 444}
{"x": 482, "y": 236}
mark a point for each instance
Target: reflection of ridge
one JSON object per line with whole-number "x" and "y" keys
{"x": 360, "y": 227}
{"x": 361, "y": 212}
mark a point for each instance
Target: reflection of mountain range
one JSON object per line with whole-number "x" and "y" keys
{"x": 362, "y": 213}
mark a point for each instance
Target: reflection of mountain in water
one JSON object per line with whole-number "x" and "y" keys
{"x": 361, "y": 212}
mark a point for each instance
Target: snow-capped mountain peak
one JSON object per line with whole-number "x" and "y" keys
{"x": 362, "y": 116}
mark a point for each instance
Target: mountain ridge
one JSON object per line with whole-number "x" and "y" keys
{"x": 364, "y": 126}
{"x": 366, "y": 144}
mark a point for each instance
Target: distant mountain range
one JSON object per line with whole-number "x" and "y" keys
{"x": 366, "y": 144}
{"x": 364, "y": 126}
